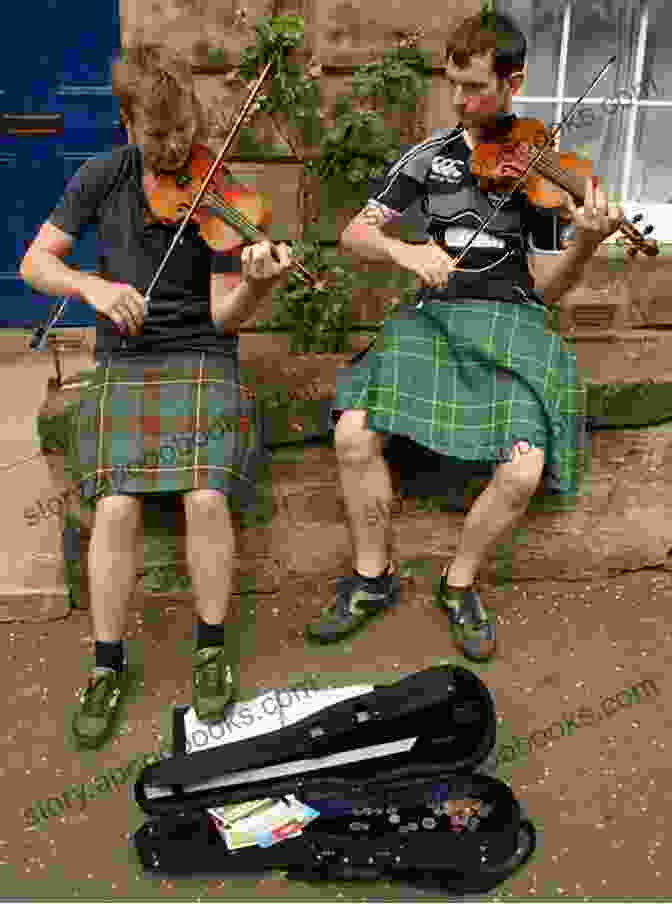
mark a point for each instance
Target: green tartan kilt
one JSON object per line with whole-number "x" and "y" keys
{"x": 167, "y": 423}
{"x": 416, "y": 382}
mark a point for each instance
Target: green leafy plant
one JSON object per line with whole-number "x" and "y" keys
{"x": 356, "y": 148}
{"x": 292, "y": 90}
{"x": 398, "y": 79}
{"x": 362, "y": 143}
{"x": 319, "y": 318}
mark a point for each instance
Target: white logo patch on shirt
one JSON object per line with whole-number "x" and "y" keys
{"x": 458, "y": 236}
{"x": 447, "y": 169}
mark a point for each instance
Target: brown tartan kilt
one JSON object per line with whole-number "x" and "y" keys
{"x": 168, "y": 423}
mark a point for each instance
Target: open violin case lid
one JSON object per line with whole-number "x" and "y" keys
{"x": 387, "y": 772}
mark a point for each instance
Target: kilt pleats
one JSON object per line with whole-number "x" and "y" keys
{"x": 167, "y": 423}
{"x": 468, "y": 379}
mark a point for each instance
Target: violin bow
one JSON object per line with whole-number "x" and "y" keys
{"x": 457, "y": 343}
{"x": 550, "y": 138}
{"x": 40, "y": 335}
{"x": 211, "y": 172}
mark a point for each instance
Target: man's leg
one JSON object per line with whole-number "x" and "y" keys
{"x": 368, "y": 493}
{"x": 498, "y": 507}
{"x": 367, "y": 489}
{"x": 211, "y": 545}
{"x": 210, "y": 553}
{"x": 115, "y": 557}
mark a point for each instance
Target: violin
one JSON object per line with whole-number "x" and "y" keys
{"x": 229, "y": 212}
{"x": 498, "y": 160}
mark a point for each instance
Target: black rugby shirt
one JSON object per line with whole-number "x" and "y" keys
{"x": 436, "y": 173}
{"x": 106, "y": 193}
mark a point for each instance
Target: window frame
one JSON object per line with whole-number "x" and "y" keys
{"x": 659, "y": 214}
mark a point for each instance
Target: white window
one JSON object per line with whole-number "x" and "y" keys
{"x": 625, "y": 124}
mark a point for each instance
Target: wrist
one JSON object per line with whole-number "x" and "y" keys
{"x": 85, "y": 286}
{"x": 398, "y": 251}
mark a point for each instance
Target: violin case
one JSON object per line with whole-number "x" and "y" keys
{"x": 379, "y": 767}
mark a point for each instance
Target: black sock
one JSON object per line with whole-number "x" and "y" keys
{"x": 209, "y": 635}
{"x": 378, "y": 581}
{"x": 110, "y": 655}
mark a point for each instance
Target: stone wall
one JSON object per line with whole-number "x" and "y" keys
{"x": 340, "y": 36}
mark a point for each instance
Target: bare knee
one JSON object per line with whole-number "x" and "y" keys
{"x": 354, "y": 443}
{"x": 519, "y": 478}
{"x": 205, "y": 504}
{"x": 119, "y": 513}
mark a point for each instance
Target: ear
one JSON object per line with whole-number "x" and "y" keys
{"x": 516, "y": 80}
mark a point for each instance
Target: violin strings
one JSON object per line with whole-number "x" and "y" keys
{"x": 551, "y": 167}
{"x": 242, "y": 220}
{"x": 554, "y": 170}
{"x": 236, "y": 214}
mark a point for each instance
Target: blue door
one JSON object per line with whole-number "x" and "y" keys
{"x": 57, "y": 111}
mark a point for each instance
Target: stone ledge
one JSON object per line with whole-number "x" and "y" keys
{"x": 621, "y": 522}
{"x": 23, "y": 604}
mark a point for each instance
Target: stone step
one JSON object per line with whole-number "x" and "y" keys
{"x": 620, "y": 522}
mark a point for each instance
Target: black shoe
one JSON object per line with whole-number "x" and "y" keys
{"x": 472, "y": 626}
{"x": 355, "y": 605}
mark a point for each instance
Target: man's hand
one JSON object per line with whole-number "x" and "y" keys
{"x": 260, "y": 266}
{"x": 595, "y": 221}
{"x": 120, "y": 302}
{"x": 430, "y": 262}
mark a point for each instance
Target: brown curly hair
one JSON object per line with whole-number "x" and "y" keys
{"x": 149, "y": 78}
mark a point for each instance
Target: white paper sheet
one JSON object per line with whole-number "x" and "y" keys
{"x": 265, "y": 713}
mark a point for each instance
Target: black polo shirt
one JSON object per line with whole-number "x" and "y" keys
{"x": 106, "y": 193}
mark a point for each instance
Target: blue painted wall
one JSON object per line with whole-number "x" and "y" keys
{"x": 56, "y": 59}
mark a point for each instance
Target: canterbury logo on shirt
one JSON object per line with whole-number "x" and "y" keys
{"x": 447, "y": 169}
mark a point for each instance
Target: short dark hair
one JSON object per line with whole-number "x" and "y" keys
{"x": 488, "y": 31}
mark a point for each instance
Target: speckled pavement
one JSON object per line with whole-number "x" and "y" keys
{"x": 580, "y": 685}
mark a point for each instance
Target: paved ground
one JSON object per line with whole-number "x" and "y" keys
{"x": 598, "y": 792}
{"x": 30, "y": 551}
